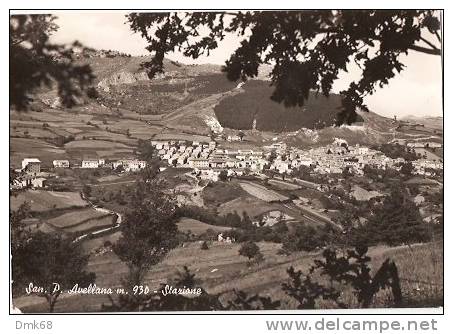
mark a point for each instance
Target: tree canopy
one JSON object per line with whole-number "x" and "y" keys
{"x": 35, "y": 62}
{"x": 149, "y": 228}
{"x": 306, "y": 49}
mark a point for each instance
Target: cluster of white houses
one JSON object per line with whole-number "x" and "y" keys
{"x": 129, "y": 165}
{"x": 334, "y": 158}
{"x": 32, "y": 176}
{"x": 209, "y": 160}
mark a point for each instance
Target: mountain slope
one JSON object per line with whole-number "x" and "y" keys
{"x": 253, "y": 108}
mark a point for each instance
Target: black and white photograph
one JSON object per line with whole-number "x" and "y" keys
{"x": 225, "y": 161}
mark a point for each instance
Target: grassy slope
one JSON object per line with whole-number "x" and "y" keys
{"x": 197, "y": 227}
{"x": 423, "y": 263}
{"x": 41, "y": 200}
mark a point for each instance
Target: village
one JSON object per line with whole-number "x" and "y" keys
{"x": 208, "y": 160}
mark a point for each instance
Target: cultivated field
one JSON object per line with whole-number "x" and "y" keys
{"x": 217, "y": 193}
{"x": 253, "y": 206}
{"x": 41, "y": 200}
{"x": 262, "y": 192}
{"x": 283, "y": 185}
{"x": 21, "y": 148}
{"x": 197, "y": 227}
{"x": 75, "y": 218}
{"x": 85, "y": 148}
{"x": 93, "y": 224}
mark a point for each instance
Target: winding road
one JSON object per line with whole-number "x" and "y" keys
{"x": 119, "y": 219}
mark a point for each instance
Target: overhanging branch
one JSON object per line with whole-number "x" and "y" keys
{"x": 435, "y": 52}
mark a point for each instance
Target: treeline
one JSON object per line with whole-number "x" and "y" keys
{"x": 396, "y": 151}
{"x": 299, "y": 237}
{"x": 392, "y": 220}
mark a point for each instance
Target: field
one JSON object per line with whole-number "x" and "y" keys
{"x": 92, "y": 224}
{"x": 217, "y": 193}
{"x": 75, "y": 218}
{"x": 220, "y": 270}
{"x": 197, "y": 227}
{"x": 41, "y": 200}
{"x": 92, "y": 133}
{"x": 262, "y": 192}
{"x": 97, "y": 148}
{"x": 283, "y": 185}
{"x": 21, "y": 148}
{"x": 253, "y": 206}
{"x": 421, "y": 271}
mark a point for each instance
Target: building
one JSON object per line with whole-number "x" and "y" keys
{"x": 28, "y": 180}
{"x": 61, "y": 163}
{"x": 134, "y": 165}
{"x": 38, "y": 182}
{"x": 198, "y": 163}
{"x": 130, "y": 165}
{"x": 90, "y": 163}
{"x": 31, "y": 165}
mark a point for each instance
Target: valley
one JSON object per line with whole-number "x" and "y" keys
{"x": 238, "y": 163}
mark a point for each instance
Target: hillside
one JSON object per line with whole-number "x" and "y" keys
{"x": 254, "y": 105}
{"x": 433, "y": 122}
{"x": 188, "y": 100}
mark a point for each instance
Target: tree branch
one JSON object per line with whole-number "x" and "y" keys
{"x": 421, "y": 49}
{"x": 437, "y": 35}
{"x": 429, "y": 43}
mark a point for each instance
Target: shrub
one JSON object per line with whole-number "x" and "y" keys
{"x": 250, "y": 250}
{"x": 304, "y": 238}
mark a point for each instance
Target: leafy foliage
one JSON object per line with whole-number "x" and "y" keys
{"x": 350, "y": 270}
{"x": 308, "y": 48}
{"x": 353, "y": 269}
{"x": 305, "y": 291}
{"x": 396, "y": 151}
{"x": 148, "y": 230}
{"x": 306, "y": 238}
{"x": 249, "y": 249}
{"x": 396, "y": 221}
{"x": 243, "y": 301}
{"x": 45, "y": 259}
{"x": 35, "y": 62}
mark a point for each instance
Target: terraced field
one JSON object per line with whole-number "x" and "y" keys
{"x": 92, "y": 224}
{"x": 21, "y": 148}
{"x": 197, "y": 227}
{"x": 253, "y": 206}
{"x": 41, "y": 200}
{"x": 75, "y": 218}
{"x": 262, "y": 192}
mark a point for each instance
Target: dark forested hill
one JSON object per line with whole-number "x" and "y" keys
{"x": 240, "y": 110}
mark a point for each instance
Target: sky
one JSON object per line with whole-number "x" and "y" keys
{"x": 416, "y": 91}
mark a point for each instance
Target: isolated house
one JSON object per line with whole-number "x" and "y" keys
{"x": 90, "y": 163}
{"x": 134, "y": 165}
{"x": 38, "y": 182}
{"x": 61, "y": 163}
{"x": 31, "y": 165}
